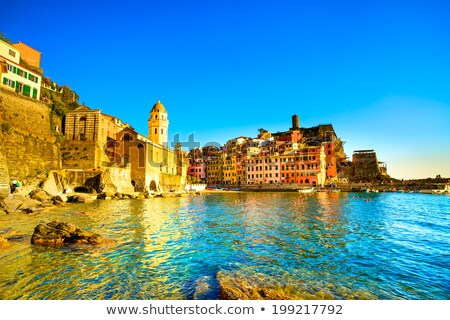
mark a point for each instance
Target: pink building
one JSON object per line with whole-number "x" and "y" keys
{"x": 262, "y": 170}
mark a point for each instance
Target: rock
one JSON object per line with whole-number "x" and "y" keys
{"x": 61, "y": 198}
{"x": 4, "y": 243}
{"x": 61, "y": 233}
{"x": 141, "y": 196}
{"x": 13, "y": 202}
{"x": 236, "y": 286}
{"x": 46, "y": 204}
{"x": 40, "y": 196}
{"x": 54, "y": 184}
{"x": 101, "y": 196}
{"x": 119, "y": 195}
{"x": 29, "y": 210}
{"x": 68, "y": 190}
{"x": 86, "y": 198}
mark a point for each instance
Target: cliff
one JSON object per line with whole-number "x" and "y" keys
{"x": 28, "y": 139}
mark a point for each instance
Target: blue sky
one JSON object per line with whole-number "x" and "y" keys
{"x": 378, "y": 71}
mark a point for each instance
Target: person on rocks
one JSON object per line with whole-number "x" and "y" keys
{"x": 14, "y": 185}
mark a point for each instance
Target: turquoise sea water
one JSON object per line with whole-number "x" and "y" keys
{"x": 397, "y": 246}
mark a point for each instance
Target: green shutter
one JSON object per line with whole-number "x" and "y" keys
{"x": 4, "y": 80}
{"x": 17, "y": 86}
{"x": 34, "y": 93}
{"x": 13, "y": 84}
{"x": 26, "y": 90}
{"x": 14, "y": 70}
{"x": 25, "y": 74}
{"x": 29, "y": 76}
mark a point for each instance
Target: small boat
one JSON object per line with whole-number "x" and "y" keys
{"x": 306, "y": 190}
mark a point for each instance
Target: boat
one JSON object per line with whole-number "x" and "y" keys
{"x": 306, "y": 190}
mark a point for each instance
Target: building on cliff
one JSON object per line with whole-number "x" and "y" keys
{"x": 16, "y": 77}
{"x": 96, "y": 140}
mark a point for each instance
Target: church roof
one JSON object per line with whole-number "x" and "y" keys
{"x": 159, "y": 107}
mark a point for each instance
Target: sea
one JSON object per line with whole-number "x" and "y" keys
{"x": 320, "y": 245}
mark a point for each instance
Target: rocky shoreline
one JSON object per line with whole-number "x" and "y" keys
{"x": 50, "y": 190}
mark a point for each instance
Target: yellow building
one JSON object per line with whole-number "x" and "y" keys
{"x": 154, "y": 166}
{"x": 230, "y": 170}
{"x": 214, "y": 170}
{"x": 158, "y": 124}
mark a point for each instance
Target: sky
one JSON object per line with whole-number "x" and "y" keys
{"x": 379, "y": 71}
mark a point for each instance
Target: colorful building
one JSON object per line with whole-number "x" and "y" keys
{"x": 16, "y": 77}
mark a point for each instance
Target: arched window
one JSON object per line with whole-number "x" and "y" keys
{"x": 156, "y": 116}
{"x": 127, "y": 137}
{"x": 156, "y": 131}
{"x": 162, "y": 131}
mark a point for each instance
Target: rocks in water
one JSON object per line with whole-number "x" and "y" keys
{"x": 61, "y": 233}
{"x": 236, "y": 287}
{"x": 40, "y": 195}
{"x": 256, "y": 286}
{"x": 86, "y": 198}
{"x": 61, "y": 198}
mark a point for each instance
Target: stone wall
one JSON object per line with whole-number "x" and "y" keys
{"x": 170, "y": 182}
{"x": 27, "y": 140}
{"x": 365, "y": 166}
{"x": 78, "y": 154}
{"x": 4, "y": 178}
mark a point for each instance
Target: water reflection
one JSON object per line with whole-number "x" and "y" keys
{"x": 326, "y": 244}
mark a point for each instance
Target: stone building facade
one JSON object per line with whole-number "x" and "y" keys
{"x": 365, "y": 166}
{"x": 97, "y": 140}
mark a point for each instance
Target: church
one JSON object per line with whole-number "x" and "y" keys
{"x": 96, "y": 140}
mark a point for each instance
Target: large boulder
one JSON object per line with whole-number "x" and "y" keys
{"x": 14, "y": 202}
{"x": 40, "y": 195}
{"x": 61, "y": 233}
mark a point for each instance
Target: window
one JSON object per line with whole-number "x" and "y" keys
{"x": 162, "y": 131}
{"x": 156, "y": 131}
{"x": 156, "y": 116}
{"x": 12, "y": 53}
{"x": 10, "y": 68}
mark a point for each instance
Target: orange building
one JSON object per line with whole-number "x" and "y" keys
{"x": 305, "y": 166}
{"x": 330, "y": 159}
{"x": 30, "y": 55}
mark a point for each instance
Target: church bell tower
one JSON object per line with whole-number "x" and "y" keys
{"x": 158, "y": 124}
